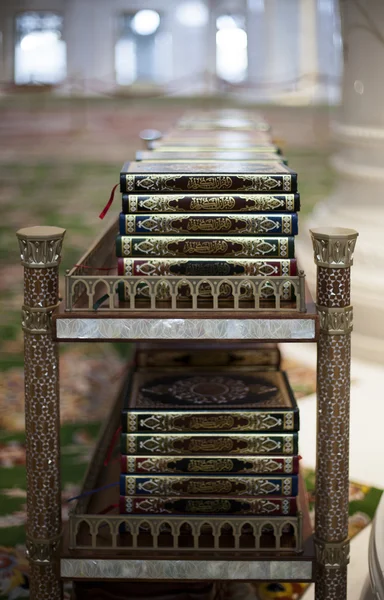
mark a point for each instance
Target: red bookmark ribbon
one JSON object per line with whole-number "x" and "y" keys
{"x": 108, "y": 205}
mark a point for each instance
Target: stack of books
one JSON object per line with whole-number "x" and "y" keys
{"x": 215, "y": 440}
{"x": 217, "y": 201}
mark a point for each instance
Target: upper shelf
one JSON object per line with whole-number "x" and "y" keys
{"x": 92, "y": 312}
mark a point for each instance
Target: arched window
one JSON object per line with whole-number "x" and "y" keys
{"x": 40, "y": 52}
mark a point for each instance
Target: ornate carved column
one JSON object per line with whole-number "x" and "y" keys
{"x": 357, "y": 200}
{"x": 333, "y": 248}
{"x": 40, "y": 249}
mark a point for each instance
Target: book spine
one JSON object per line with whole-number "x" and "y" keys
{"x": 199, "y": 182}
{"x": 209, "y": 224}
{"x": 284, "y": 465}
{"x": 208, "y": 247}
{"x": 174, "y": 485}
{"x": 214, "y": 443}
{"x": 272, "y": 507}
{"x": 129, "y": 267}
{"x": 252, "y": 421}
{"x": 171, "y": 203}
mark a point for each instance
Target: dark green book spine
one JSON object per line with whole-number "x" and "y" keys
{"x": 208, "y": 224}
{"x": 212, "y": 485}
{"x": 208, "y": 421}
{"x": 271, "y": 507}
{"x": 209, "y": 444}
{"x": 205, "y": 247}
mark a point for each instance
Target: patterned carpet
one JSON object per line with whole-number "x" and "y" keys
{"x": 83, "y": 399}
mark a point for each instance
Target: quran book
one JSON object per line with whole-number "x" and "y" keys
{"x": 225, "y": 176}
{"x": 165, "y": 401}
{"x": 207, "y": 144}
{"x": 217, "y": 137}
{"x": 202, "y": 156}
{"x": 205, "y": 246}
{"x": 243, "y": 465}
{"x": 205, "y": 203}
{"x": 207, "y": 444}
{"x": 189, "y": 355}
{"x": 212, "y": 485}
{"x": 272, "y": 507}
{"x": 208, "y": 224}
{"x": 206, "y": 266}
{"x": 211, "y": 156}
{"x": 237, "y": 123}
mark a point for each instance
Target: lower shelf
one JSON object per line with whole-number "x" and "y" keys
{"x": 100, "y": 553}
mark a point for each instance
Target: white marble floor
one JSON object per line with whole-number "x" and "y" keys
{"x": 366, "y": 453}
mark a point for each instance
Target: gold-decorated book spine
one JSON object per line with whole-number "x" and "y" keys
{"x": 201, "y": 182}
{"x": 210, "y": 203}
{"x": 214, "y": 443}
{"x": 226, "y": 421}
{"x": 271, "y": 507}
{"x": 243, "y": 465}
{"x": 213, "y": 485}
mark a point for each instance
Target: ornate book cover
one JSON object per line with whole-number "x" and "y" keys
{"x": 243, "y": 465}
{"x": 206, "y": 266}
{"x": 212, "y": 485}
{"x": 209, "y": 443}
{"x": 171, "y": 203}
{"x": 209, "y": 506}
{"x": 208, "y": 224}
{"x": 162, "y": 401}
{"x": 188, "y": 355}
{"x": 212, "y": 156}
{"x": 205, "y": 247}
{"x": 207, "y": 177}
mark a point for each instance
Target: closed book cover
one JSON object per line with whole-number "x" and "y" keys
{"x": 205, "y": 247}
{"x": 212, "y": 485}
{"x": 251, "y": 465}
{"x": 209, "y": 443}
{"x": 207, "y": 177}
{"x": 165, "y": 401}
{"x": 210, "y": 203}
{"x": 184, "y": 354}
{"x": 271, "y": 507}
{"x": 208, "y": 224}
{"x": 213, "y": 156}
{"x": 206, "y": 267}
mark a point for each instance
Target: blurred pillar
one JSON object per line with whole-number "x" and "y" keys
{"x": 282, "y": 46}
{"x": 7, "y": 41}
{"x": 308, "y": 59}
{"x": 89, "y": 31}
{"x": 256, "y": 46}
{"x": 357, "y": 200}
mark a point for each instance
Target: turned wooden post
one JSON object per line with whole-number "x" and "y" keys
{"x": 333, "y": 249}
{"x": 40, "y": 249}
